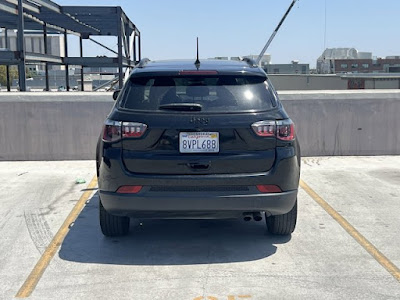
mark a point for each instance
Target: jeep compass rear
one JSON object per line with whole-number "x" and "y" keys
{"x": 210, "y": 140}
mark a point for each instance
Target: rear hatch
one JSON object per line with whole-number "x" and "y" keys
{"x": 197, "y": 124}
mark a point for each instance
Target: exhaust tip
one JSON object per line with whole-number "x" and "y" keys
{"x": 247, "y": 217}
{"x": 257, "y": 217}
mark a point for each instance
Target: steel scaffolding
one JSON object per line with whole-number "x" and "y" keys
{"x": 47, "y": 17}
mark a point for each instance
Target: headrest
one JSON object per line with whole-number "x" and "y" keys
{"x": 164, "y": 81}
{"x": 226, "y": 81}
{"x": 197, "y": 91}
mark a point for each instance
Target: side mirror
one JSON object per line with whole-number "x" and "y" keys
{"x": 115, "y": 94}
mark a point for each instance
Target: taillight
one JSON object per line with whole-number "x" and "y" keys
{"x": 283, "y": 129}
{"x": 264, "y": 128}
{"x": 113, "y": 131}
{"x": 268, "y": 188}
{"x": 130, "y": 129}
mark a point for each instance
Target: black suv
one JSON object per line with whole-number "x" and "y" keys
{"x": 205, "y": 140}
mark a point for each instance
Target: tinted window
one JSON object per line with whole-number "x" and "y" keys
{"x": 213, "y": 93}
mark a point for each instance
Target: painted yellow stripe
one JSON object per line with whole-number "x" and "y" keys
{"x": 371, "y": 249}
{"x": 37, "y": 272}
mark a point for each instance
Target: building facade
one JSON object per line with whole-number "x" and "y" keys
{"x": 294, "y": 68}
{"x": 34, "y": 43}
{"x": 389, "y": 64}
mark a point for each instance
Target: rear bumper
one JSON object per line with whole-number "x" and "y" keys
{"x": 285, "y": 173}
{"x": 188, "y": 204}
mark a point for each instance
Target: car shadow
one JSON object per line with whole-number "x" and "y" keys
{"x": 168, "y": 242}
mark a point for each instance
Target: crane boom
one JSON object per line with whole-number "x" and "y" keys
{"x": 275, "y": 32}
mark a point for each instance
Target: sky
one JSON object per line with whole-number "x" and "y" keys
{"x": 237, "y": 28}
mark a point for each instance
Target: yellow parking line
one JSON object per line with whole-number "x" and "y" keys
{"x": 371, "y": 249}
{"x": 37, "y": 272}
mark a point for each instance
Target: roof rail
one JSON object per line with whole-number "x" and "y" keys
{"x": 142, "y": 63}
{"x": 249, "y": 61}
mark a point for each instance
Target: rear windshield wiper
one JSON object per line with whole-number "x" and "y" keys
{"x": 182, "y": 106}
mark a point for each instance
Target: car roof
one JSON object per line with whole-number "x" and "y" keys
{"x": 222, "y": 66}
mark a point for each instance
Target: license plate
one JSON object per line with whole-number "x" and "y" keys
{"x": 199, "y": 142}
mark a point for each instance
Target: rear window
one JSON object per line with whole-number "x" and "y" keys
{"x": 213, "y": 93}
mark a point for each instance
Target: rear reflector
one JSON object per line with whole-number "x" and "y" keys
{"x": 129, "y": 189}
{"x": 268, "y": 188}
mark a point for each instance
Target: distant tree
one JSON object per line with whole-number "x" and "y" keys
{"x": 3, "y": 74}
{"x": 30, "y": 73}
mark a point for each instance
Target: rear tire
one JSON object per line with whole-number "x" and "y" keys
{"x": 283, "y": 224}
{"x": 112, "y": 225}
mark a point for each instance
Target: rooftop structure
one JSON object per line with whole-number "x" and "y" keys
{"x": 266, "y": 59}
{"x": 46, "y": 17}
{"x": 349, "y": 60}
{"x": 325, "y": 63}
{"x": 344, "y": 53}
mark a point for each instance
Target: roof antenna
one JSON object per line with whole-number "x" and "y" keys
{"x": 197, "y": 62}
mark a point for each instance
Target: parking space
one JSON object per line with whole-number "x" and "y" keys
{"x": 211, "y": 259}
{"x": 365, "y": 191}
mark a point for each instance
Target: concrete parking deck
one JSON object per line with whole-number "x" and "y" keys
{"x": 203, "y": 260}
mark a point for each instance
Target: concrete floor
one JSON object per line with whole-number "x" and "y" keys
{"x": 210, "y": 260}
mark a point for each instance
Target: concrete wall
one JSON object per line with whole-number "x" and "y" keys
{"x": 307, "y": 82}
{"x": 51, "y": 126}
{"x": 63, "y": 126}
{"x": 382, "y": 84}
{"x": 386, "y": 84}
{"x": 346, "y": 122}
